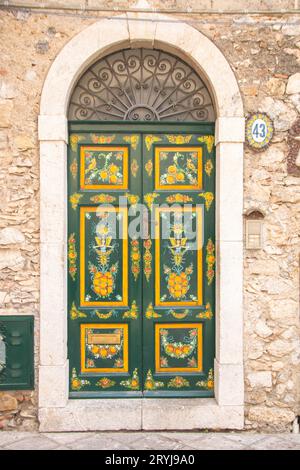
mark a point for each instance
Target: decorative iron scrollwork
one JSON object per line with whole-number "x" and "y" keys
{"x": 141, "y": 85}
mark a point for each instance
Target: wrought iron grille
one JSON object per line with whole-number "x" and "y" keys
{"x": 141, "y": 85}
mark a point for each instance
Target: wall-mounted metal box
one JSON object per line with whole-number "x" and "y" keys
{"x": 254, "y": 229}
{"x": 16, "y": 352}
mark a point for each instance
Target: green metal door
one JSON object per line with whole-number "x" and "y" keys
{"x": 141, "y": 278}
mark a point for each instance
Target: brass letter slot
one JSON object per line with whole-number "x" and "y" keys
{"x": 108, "y": 338}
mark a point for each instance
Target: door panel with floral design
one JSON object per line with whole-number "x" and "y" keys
{"x": 141, "y": 303}
{"x": 178, "y": 288}
{"x": 104, "y": 295}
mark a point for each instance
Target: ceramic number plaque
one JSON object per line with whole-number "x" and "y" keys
{"x": 259, "y": 131}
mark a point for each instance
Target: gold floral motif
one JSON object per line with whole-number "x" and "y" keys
{"x": 208, "y": 140}
{"x": 105, "y": 351}
{"x": 135, "y": 258}
{"x": 104, "y": 281}
{"x": 178, "y": 281}
{"x": 133, "y": 312}
{"x": 75, "y": 313}
{"x": 178, "y": 198}
{"x": 102, "y": 139}
{"x": 134, "y": 167}
{"x": 210, "y": 261}
{"x": 150, "y": 198}
{"x": 150, "y": 139}
{"x": 209, "y": 382}
{"x": 147, "y": 258}
{"x": 105, "y": 382}
{"x": 207, "y": 314}
{"x": 74, "y": 200}
{"x": 178, "y": 382}
{"x": 72, "y": 256}
{"x": 74, "y": 139}
{"x": 133, "y": 140}
{"x": 149, "y": 167}
{"x": 103, "y": 246}
{"x": 208, "y": 167}
{"x": 103, "y": 198}
{"x": 208, "y": 197}
{"x": 150, "y": 383}
{"x": 132, "y": 383}
{"x": 179, "y": 350}
{"x": 74, "y": 168}
{"x": 181, "y": 170}
{"x": 150, "y": 313}
{"x": 104, "y": 316}
{"x": 101, "y": 165}
{"x": 177, "y": 315}
{"x": 76, "y": 383}
{"x": 178, "y": 276}
{"x": 179, "y": 139}
{"x": 103, "y": 276}
{"x": 133, "y": 199}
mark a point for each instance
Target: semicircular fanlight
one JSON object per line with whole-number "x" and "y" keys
{"x": 141, "y": 85}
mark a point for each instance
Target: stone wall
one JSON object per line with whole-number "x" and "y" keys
{"x": 264, "y": 52}
{"x": 163, "y": 5}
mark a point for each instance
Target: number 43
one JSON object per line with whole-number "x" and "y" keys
{"x": 259, "y": 130}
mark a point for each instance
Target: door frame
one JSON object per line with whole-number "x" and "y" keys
{"x": 226, "y": 410}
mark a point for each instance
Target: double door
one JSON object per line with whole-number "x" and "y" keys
{"x": 141, "y": 260}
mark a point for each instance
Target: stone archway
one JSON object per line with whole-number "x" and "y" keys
{"x": 226, "y": 410}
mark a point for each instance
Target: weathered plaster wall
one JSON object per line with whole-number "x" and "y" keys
{"x": 264, "y": 52}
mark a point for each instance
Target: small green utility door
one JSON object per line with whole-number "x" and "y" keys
{"x": 141, "y": 278}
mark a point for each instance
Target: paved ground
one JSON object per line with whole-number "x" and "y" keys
{"x": 147, "y": 440}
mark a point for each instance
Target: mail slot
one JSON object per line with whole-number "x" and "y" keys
{"x": 108, "y": 338}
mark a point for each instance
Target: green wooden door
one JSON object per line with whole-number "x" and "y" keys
{"x": 141, "y": 282}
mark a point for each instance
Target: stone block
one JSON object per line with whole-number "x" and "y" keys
{"x": 141, "y": 31}
{"x": 53, "y": 128}
{"x": 293, "y": 84}
{"x": 229, "y": 192}
{"x": 260, "y": 379}
{"x": 291, "y": 28}
{"x": 93, "y": 415}
{"x": 24, "y": 142}
{"x": 53, "y": 182}
{"x": 53, "y": 329}
{"x": 10, "y": 235}
{"x": 11, "y": 259}
{"x": 276, "y": 87}
{"x": 53, "y": 385}
{"x": 282, "y": 114}
{"x": 7, "y": 90}
{"x": 229, "y": 303}
{"x": 189, "y": 414}
{"x": 8, "y": 402}
{"x": 230, "y": 129}
{"x": 280, "y": 348}
{"x": 5, "y": 113}
{"x": 271, "y": 415}
{"x": 225, "y": 376}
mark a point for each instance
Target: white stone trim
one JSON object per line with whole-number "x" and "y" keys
{"x": 230, "y": 129}
{"x": 136, "y": 414}
{"x": 52, "y": 127}
{"x": 56, "y": 411}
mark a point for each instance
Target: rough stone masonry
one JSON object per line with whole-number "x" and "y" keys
{"x": 264, "y": 53}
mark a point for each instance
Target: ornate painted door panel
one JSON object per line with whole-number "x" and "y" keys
{"x": 179, "y": 259}
{"x": 104, "y": 267}
{"x": 141, "y": 311}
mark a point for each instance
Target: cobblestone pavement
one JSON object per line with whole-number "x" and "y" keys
{"x": 147, "y": 440}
